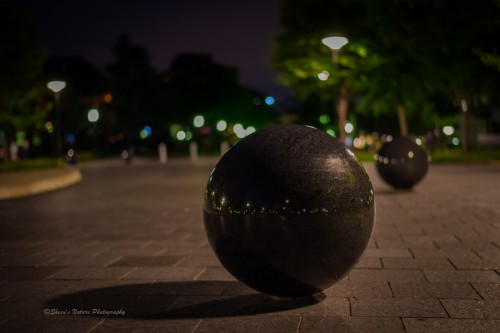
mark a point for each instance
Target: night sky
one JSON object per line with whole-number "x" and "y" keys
{"x": 236, "y": 33}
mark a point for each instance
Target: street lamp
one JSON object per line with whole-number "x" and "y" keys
{"x": 56, "y": 87}
{"x": 335, "y": 43}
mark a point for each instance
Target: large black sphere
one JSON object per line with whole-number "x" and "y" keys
{"x": 289, "y": 210}
{"x": 401, "y": 162}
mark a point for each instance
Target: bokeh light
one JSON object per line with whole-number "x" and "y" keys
{"x": 198, "y": 121}
{"x": 93, "y": 115}
{"x": 269, "y": 100}
{"x": 221, "y": 125}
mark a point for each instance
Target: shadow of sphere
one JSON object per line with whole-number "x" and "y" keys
{"x": 173, "y": 300}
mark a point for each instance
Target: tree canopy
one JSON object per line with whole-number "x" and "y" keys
{"x": 417, "y": 57}
{"x": 21, "y": 65}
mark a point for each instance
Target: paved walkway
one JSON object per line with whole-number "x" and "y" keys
{"x": 124, "y": 250}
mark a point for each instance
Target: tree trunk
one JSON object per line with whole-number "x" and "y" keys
{"x": 403, "y": 123}
{"x": 342, "y": 113}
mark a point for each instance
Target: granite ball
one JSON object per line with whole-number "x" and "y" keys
{"x": 402, "y": 163}
{"x": 289, "y": 210}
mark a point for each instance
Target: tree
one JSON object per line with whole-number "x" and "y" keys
{"x": 21, "y": 64}
{"x": 410, "y": 54}
{"x": 300, "y": 56}
{"x": 131, "y": 79}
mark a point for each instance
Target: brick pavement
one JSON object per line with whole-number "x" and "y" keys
{"x": 132, "y": 239}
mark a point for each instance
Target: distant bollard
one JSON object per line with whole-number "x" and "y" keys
{"x": 162, "y": 153}
{"x": 224, "y": 146}
{"x": 193, "y": 151}
{"x": 402, "y": 163}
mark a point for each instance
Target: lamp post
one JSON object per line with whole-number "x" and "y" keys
{"x": 56, "y": 87}
{"x": 335, "y": 43}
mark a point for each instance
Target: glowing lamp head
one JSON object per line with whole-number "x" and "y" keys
{"x": 56, "y": 86}
{"x": 335, "y": 43}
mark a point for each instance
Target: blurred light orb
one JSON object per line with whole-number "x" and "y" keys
{"x": 330, "y": 132}
{"x": 401, "y": 162}
{"x": 249, "y": 130}
{"x": 93, "y": 115}
{"x": 349, "y": 128}
{"x": 221, "y": 125}
{"x": 181, "y": 135}
{"x": 198, "y": 121}
{"x": 324, "y": 119}
{"x": 455, "y": 141}
{"x": 289, "y": 210}
{"x": 269, "y": 100}
{"x": 239, "y": 131}
{"x": 323, "y": 76}
{"x": 145, "y": 132}
{"x": 69, "y": 138}
{"x": 448, "y": 130}
{"x": 418, "y": 141}
{"x": 49, "y": 127}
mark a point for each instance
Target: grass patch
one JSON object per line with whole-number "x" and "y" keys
{"x": 30, "y": 164}
{"x": 448, "y": 156}
{"x": 457, "y": 156}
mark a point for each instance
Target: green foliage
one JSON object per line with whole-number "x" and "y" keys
{"x": 425, "y": 55}
{"x": 21, "y": 63}
{"x": 456, "y": 155}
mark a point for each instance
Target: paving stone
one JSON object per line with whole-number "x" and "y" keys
{"x": 351, "y": 325}
{"x": 445, "y": 253}
{"x": 346, "y": 288}
{"x": 199, "y": 261}
{"x": 276, "y": 324}
{"x": 395, "y": 275}
{"x": 369, "y": 262}
{"x": 433, "y": 290}
{"x": 417, "y": 263}
{"x": 215, "y": 273}
{"x": 55, "y": 323}
{"x": 136, "y": 261}
{"x": 488, "y": 290}
{"x": 90, "y": 273}
{"x": 426, "y": 325}
{"x": 26, "y": 273}
{"x": 387, "y": 253}
{"x": 115, "y": 325}
{"x": 460, "y": 308}
{"x": 329, "y": 306}
{"x": 476, "y": 263}
{"x": 82, "y": 260}
{"x": 214, "y": 306}
{"x": 421, "y": 243}
{"x": 462, "y": 276}
{"x": 163, "y": 273}
{"x": 24, "y": 260}
{"x": 396, "y": 307}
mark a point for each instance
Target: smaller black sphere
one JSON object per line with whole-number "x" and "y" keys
{"x": 402, "y": 163}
